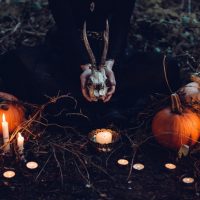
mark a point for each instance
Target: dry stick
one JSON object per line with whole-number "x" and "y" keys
{"x": 37, "y": 115}
{"x": 136, "y": 149}
{"x": 165, "y": 74}
{"x": 82, "y": 162}
{"x": 58, "y": 163}
{"x": 87, "y": 179}
{"x": 43, "y": 168}
{"x": 112, "y": 154}
{"x": 84, "y": 156}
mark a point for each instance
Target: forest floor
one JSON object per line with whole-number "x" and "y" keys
{"x": 70, "y": 167}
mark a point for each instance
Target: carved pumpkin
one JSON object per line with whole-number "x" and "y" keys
{"x": 14, "y": 112}
{"x": 174, "y": 126}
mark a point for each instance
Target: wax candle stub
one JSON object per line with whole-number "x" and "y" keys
{"x": 123, "y": 162}
{"x": 20, "y": 143}
{"x": 170, "y": 166}
{"x": 104, "y": 137}
{"x": 138, "y": 166}
{"x": 188, "y": 180}
{"x": 32, "y": 165}
{"x": 9, "y": 174}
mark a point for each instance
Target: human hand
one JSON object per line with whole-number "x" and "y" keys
{"x": 111, "y": 84}
{"x": 84, "y": 78}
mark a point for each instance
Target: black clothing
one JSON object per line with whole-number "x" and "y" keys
{"x": 71, "y": 14}
{"x": 31, "y": 73}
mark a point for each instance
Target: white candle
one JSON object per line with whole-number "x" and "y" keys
{"x": 104, "y": 137}
{"x": 5, "y": 131}
{"x": 123, "y": 162}
{"x": 20, "y": 143}
{"x": 188, "y": 180}
{"x": 9, "y": 174}
{"x": 138, "y": 166}
{"x": 170, "y": 166}
{"x": 31, "y": 165}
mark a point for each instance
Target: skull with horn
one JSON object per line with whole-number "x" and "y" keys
{"x": 97, "y": 82}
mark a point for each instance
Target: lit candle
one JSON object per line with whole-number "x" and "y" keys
{"x": 123, "y": 162}
{"x": 5, "y": 131}
{"x": 138, "y": 166}
{"x": 9, "y": 174}
{"x": 188, "y": 180}
{"x": 20, "y": 143}
{"x": 104, "y": 137}
{"x": 170, "y": 166}
{"x": 32, "y": 165}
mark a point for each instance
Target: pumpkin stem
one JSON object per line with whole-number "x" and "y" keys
{"x": 176, "y": 104}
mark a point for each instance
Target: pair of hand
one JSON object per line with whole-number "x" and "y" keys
{"x": 111, "y": 81}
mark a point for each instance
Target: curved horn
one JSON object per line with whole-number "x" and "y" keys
{"x": 106, "y": 41}
{"x": 88, "y": 47}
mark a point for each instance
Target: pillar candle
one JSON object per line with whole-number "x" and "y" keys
{"x": 5, "y": 131}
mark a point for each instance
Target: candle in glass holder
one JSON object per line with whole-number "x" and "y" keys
{"x": 104, "y": 137}
{"x": 5, "y": 132}
{"x": 170, "y": 166}
{"x": 32, "y": 165}
{"x": 188, "y": 180}
{"x": 138, "y": 166}
{"x": 122, "y": 162}
{"x": 9, "y": 174}
{"x": 20, "y": 143}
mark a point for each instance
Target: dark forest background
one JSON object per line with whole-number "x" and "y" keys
{"x": 157, "y": 25}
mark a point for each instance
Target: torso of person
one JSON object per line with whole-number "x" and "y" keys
{"x": 94, "y": 12}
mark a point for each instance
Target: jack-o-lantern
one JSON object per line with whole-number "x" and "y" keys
{"x": 174, "y": 126}
{"x": 13, "y": 111}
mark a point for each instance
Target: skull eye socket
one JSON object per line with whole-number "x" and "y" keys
{"x": 100, "y": 87}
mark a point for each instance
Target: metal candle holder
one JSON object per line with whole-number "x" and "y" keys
{"x": 104, "y": 147}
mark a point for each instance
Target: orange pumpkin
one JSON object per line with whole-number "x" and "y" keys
{"x": 14, "y": 113}
{"x": 175, "y": 126}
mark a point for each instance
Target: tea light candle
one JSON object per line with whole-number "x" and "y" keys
{"x": 32, "y": 165}
{"x": 188, "y": 180}
{"x": 9, "y": 174}
{"x": 122, "y": 162}
{"x": 138, "y": 166}
{"x": 5, "y": 131}
{"x": 170, "y": 166}
{"x": 20, "y": 143}
{"x": 104, "y": 137}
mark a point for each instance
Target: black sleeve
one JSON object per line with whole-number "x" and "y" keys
{"x": 63, "y": 16}
{"x": 119, "y": 27}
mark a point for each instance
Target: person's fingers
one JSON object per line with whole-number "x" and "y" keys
{"x": 83, "y": 87}
{"x": 108, "y": 97}
{"x": 83, "y": 81}
{"x": 111, "y": 78}
{"x": 85, "y": 94}
{"x": 112, "y": 90}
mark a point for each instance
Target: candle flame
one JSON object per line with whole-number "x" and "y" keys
{"x": 4, "y": 118}
{"x": 19, "y": 135}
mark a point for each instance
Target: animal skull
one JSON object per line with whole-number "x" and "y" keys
{"x": 97, "y": 84}
{"x": 97, "y": 87}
